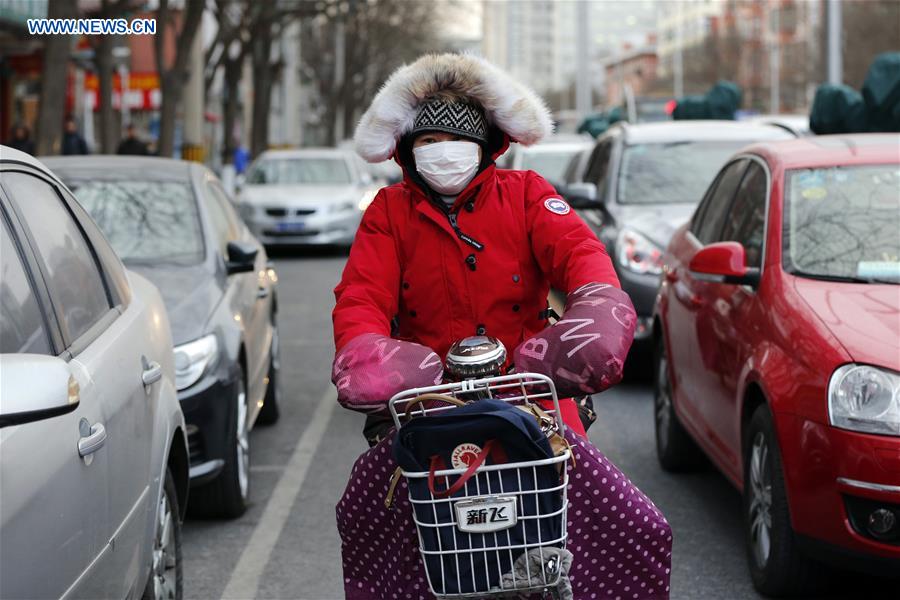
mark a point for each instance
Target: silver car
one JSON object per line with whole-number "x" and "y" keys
{"x": 93, "y": 452}
{"x": 310, "y": 196}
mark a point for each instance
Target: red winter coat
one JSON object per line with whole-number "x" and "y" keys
{"x": 407, "y": 261}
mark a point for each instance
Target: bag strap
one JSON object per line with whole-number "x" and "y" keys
{"x": 431, "y": 398}
{"x": 437, "y": 463}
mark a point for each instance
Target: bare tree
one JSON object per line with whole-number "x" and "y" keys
{"x": 228, "y": 52}
{"x": 53, "y": 81}
{"x": 173, "y": 78}
{"x": 379, "y": 36}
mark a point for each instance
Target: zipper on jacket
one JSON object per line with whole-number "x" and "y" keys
{"x": 452, "y": 216}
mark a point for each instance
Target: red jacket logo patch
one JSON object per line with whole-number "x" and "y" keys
{"x": 557, "y": 206}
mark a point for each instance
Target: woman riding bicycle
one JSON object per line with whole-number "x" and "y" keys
{"x": 460, "y": 248}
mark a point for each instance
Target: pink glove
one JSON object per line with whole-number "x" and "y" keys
{"x": 584, "y": 352}
{"x": 371, "y": 368}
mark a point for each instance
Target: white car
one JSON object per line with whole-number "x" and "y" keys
{"x": 310, "y": 196}
{"x": 93, "y": 451}
{"x": 548, "y": 159}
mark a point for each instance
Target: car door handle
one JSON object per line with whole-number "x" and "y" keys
{"x": 262, "y": 293}
{"x": 152, "y": 371}
{"x": 93, "y": 442}
{"x": 671, "y": 274}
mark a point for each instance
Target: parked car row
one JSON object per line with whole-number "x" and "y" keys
{"x": 138, "y": 347}
{"x": 639, "y": 183}
{"x": 777, "y": 336}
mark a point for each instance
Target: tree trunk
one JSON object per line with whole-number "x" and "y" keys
{"x": 262, "y": 94}
{"x": 173, "y": 79}
{"x": 105, "y": 77}
{"x": 171, "y": 96}
{"x": 230, "y": 106}
{"x": 54, "y": 77}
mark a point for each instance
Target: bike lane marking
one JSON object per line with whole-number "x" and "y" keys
{"x": 245, "y": 577}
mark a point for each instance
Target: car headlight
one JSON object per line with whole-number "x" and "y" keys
{"x": 638, "y": 254}
{"x": 366, "y": 199}
{"x": 864, "y": 398}
{"x": 193, "y": 359}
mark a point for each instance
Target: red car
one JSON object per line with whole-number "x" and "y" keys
{"x": 777, "y": 329}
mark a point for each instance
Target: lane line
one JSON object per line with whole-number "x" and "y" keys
{"x": 245, "y": 578}
{"x": 267, "y": 468}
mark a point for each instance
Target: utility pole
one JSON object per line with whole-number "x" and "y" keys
{"x": 678, "y": 58}
{"x": 835, "y": 32}
{"x": 582, "y": 60}
{"x": 775, "y": 60}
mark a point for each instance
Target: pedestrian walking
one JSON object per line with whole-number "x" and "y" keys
{"x": 20, "y": 139}
{"x": 132, "y": 144}
{"x": 72, "y": 142}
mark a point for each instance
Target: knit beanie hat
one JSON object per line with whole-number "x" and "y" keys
{"x": 460, "y": 118}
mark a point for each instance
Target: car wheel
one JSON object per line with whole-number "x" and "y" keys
{"x": 166, "y": 570}
{"x": 777, "y": 566}
{"x": 268, "y": 414}
{"x": 675, "y": 449}
{"x": 226, "y": 496}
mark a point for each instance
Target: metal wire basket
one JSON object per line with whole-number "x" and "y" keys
{"x": 471, "y": 540}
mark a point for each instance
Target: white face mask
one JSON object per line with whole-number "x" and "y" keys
{"x": 448, "y": 167}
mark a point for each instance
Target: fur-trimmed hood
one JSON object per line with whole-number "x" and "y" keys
{"x": 508, "y": 105}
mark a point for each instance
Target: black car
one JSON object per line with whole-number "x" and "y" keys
{"x": 639, "y": 184}
{"x": 172, "y": 222}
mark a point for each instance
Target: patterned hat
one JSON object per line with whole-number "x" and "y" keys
{"x": 461, "y": 118}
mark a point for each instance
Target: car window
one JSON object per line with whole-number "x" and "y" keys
{"x": 549, "y": 164}
{"x": 110, "y": 263}
{"x": 234, "y": 221}
{"x": 70, "y": 267}
{"x": 671, "y": 172}
{"x": 841, "y": 223}
{"x": 745, "y": 221}
{"x": 22, "y": 327}
{"x": 599, "y": 166}
{"x": 309, "y": 170}
{"x": 571, "y": 174}
{"x": 147, "y": 221}
{"x": 711, "y": 216}
{"x": 222, "y": 228}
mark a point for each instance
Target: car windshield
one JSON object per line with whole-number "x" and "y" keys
{"x": 676, "y": 172}
{"x": 842, "y": 223}
{"x": 304, "y": 171}
{"x": 549, "y": 164}
{"x": 147, "y": 222}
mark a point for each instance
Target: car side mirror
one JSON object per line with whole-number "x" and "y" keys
{"x": 35, "y": 387}
{"x": 582, "y": 195}
{"x": 241, "y": 257}
{"x": 724, "y": 262}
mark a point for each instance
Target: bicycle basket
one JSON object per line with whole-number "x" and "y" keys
{"x": 504, "y": 495}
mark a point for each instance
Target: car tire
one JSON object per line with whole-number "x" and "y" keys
{"x": 269, "y": 412}
{"x": 166, "y": 568}
{"x": 675, "y": 449}
{"x": 227, "y": 495}
{"x": 777, "y": 565}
